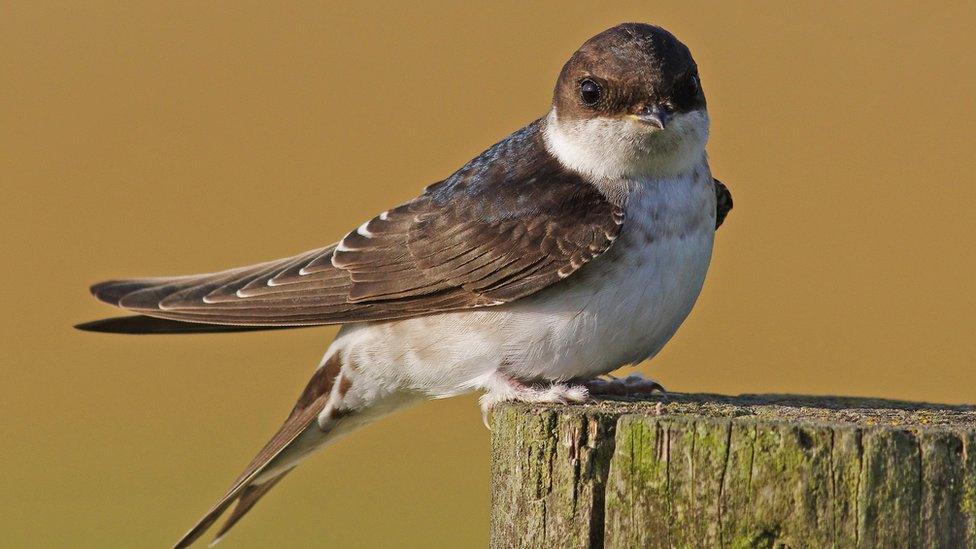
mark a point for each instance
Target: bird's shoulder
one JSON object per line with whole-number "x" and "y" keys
{"x": 514, "y": 177}
{"x": 513, "y": 207}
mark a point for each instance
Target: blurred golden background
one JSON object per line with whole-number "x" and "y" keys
{"x": 152, "y": 139}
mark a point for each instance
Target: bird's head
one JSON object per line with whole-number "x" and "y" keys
{"x": 629, "y": 104}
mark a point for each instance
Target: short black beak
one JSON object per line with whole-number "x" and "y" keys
{"x": 654, "y": 116}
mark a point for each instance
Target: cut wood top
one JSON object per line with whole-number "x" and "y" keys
{"x": 820, "y": 410}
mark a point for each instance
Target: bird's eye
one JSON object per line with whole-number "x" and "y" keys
{"x": 590, "y": 92}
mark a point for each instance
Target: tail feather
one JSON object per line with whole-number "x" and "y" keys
{"x": 245, "y": 501}
{"x": 205, "y": 523}
{"x": 246, "y": 491}
{"x": 245, "y": 496}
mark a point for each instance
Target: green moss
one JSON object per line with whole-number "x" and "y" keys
{"x": 968, "y": 496}
{"x": 735, "y": 481}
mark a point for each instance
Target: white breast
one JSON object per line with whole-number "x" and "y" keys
{"x": 629, "y": 302}
{"x": 619, "y": 309}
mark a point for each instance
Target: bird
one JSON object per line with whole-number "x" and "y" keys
{"x": 575, "y": 246}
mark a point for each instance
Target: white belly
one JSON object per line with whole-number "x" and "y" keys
{"x": 619, "y": 309}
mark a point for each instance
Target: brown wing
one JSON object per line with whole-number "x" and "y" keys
{"x": 508, "y": 224}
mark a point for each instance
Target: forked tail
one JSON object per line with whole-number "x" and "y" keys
{"x": 338, "y": 399}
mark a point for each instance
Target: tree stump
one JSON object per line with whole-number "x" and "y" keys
{"x": 746, "y": 471}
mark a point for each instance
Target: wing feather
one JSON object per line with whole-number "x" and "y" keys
{"x": 510, "y": 223}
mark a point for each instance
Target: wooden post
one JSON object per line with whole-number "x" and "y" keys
{"x": 748, "y": 471}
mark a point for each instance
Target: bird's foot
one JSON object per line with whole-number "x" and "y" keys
{"x": 512, "y": 389}
{"x": 634, "y": 385}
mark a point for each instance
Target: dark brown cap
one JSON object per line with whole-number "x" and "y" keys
{"x": 628, "y": 69}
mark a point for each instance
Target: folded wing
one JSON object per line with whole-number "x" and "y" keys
{"x": 508, "y": 224}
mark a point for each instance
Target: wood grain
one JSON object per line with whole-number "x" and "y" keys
{"x": 747, "y": 471}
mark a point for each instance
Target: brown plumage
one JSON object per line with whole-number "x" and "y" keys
{"x": 511, "y": 222}
{"x": 490, "y": 234}
{"x": 143, "y": 295}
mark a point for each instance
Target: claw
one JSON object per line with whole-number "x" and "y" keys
{"x": 632, "y": 385}
{"x": 642, "y": 384}
{"x": 487, "y": 402}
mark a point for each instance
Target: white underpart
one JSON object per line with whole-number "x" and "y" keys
{"x": 619, "y": 309}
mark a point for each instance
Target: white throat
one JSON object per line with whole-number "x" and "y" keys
{"x": 611, "y": 149}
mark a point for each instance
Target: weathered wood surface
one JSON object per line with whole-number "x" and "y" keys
{"x": 748, "y": 471}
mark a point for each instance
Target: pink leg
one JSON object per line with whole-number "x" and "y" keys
{"x": 502, "y": 387}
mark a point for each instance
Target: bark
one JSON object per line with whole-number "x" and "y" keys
{"x": 748, "y": 471}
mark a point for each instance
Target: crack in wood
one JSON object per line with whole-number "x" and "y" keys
{"x": 623, "y": 475}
